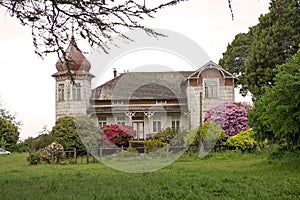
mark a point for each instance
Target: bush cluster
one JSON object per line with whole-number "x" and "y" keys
{"x": 232, "y": 117}
{"x": 116, "y": 134}
{"x": 53, "y": 153}
{"x": 243, "y": 141}
{"x": 153, "y": 145}
{"x": 165, "y": 135}
{"x": 212, "y": 137}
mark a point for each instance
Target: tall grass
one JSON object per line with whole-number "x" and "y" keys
{"x": 219, "y": 176}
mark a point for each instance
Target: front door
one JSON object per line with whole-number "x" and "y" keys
{"x": 139, "y": 128}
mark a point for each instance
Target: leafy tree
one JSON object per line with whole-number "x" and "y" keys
{"x": 273, "y": 41}
{"x": 5, "y": 114}
{"x": 235, "y": 57}
{"x": 9, "y": 128}
{"x": 51, "y": 21}
{"x": 278, "y": 109}
{"x": 66, "y": 134}
{"x": 9, "y": 133}
{"x": 231, "y": 116}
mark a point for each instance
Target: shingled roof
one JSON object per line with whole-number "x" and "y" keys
{"x": 144, "y": 85}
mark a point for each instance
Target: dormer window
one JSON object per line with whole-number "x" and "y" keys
{"x": 211, "y": 88}
{"x": 161, "y": 102}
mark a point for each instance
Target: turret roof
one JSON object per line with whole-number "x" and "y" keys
{"x": 74, "y": 59}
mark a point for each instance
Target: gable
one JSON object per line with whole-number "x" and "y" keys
{"x": 211, "y": 71}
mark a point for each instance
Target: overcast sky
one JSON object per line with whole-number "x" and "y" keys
{"x": 26, "y": 85}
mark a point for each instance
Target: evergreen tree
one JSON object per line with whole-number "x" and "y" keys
{"x": 235, "y": 56}
{"x": 273, "y": 41}
{"x": 76, "y": 132}
{"x": 278, "y": 109}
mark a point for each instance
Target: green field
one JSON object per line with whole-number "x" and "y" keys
{"x": 228, "y": 175}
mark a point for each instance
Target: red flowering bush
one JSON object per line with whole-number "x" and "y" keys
{"x": 232, "y": 117}
{"x": 116, "y": 134}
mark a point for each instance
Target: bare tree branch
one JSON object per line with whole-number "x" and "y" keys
{"x": 95, "y": 21}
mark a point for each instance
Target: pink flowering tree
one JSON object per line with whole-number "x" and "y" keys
{"x": 116, "y": 134}
{"x": 232, "y": 117}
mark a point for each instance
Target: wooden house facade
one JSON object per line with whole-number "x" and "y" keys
{"x": 147, "y": 101}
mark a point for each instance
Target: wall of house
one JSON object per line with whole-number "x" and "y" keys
{"x": 69, "y": 106}
{"x": 193, "y": 94}
{"x": 225, "y": 94}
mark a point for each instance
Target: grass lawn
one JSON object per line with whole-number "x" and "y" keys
{"x": 229, "y": 175}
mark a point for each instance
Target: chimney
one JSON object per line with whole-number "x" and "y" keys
{"x": 115, "y": 73}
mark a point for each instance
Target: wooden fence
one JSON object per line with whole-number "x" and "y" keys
{"x": 88, "y": 156}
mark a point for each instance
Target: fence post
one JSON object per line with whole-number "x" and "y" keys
{"x": 75, "y": 156}
{"x": 100, "y": 153}
{"x": 30, "y": 158}
{"x": 122, "y": 153}
{"x": 87, "y": 156}
{"x": 168, "y": 149}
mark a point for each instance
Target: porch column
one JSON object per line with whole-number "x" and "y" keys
{"x": 149, "y": 114}
{"x": 187, "y": 115}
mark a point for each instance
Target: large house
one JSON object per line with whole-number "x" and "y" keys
{"x": 147, "y": 101}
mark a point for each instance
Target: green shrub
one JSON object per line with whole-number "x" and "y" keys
{"x": 244, "y": 141}
{"x": 191, "y": 138}
{"x": 212, "y": 137}
{"x": 20, "y": 147}
{"x": 35, "y": 158}
{"x": 153, "y": 145}
{"x": 165, "y": 135}
{"x": 65, "y": 132}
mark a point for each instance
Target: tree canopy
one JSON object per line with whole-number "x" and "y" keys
{"x": 75, "y": 132}
{"x": 9, "y": 134}
{"x": 253, "y": 56}
{"x": 278, "y": 110}
{"x": 9, "y": 128}
{"x": 235, "y": 57}
{"x": 66, "y": 134}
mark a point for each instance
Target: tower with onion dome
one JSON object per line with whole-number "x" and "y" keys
{"x": 73, "y": 83}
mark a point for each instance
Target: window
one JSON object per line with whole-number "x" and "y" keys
{"x": 76, "y": 92}
{"x": 156, "y": 124}
{"x": 61, "y": 92}
{"x": 211, "y": 88}
{"x": 102, "y": 121}
{"x": 121, "y": 120}
{"x": 175, "y": 122}
{"x": 117, "y": 102}
{"x": 161, "y": 101}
